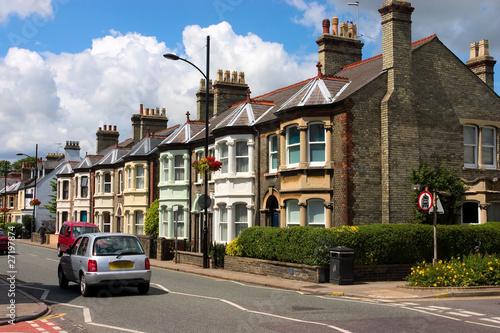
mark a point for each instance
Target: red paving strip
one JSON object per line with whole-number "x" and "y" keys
{"x": 32, "y": 326}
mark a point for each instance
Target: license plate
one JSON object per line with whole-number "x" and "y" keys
{"x": 121, "y": 264}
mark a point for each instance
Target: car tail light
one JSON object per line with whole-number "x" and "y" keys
{"x": 92, "y": 266}
{"x": 146, "y": 264}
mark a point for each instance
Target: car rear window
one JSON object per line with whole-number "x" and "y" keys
{"x": 117, "y": 245}
{"x": 77, "y": 230}
{"x": 2, "y": 233}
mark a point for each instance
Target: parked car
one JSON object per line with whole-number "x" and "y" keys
{"x": 105, "y": 259}
{"x": 70, "y": 230}
{"x": 4, "y": 241}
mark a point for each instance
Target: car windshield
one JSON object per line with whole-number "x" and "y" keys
{"x": 77, "y": 230}
{"x": 116, "y": 246}
{"x": 2, "y": 233}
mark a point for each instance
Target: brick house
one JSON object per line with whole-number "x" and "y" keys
{"x": 339, "y": 148}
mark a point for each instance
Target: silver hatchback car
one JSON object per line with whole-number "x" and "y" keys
{"x": 105, "y": 259}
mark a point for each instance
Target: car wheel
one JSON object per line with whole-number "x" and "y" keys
{"x": 59, "y": 252}
{"x": 84, "y": 287}
{"x": 143, "y": 288}
{"x": 63, "y": 282}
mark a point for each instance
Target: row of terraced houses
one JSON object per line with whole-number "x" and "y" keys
{"x": 334, "y": 149}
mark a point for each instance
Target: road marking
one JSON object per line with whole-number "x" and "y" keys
{"x": 492, "y": 320}
{"x": 239, "y": 307}
{"x": 50, "y": 259}
{"x": 472, "y": 313}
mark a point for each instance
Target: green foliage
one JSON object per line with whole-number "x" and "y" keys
{"x": 472, "y": 270}
{"x": 5, "y": 167}
{"x": 51, "y": 205}
{"x": 18, "y": 165}
{"x": 151, "y": 224}
{"x": 16, "y": 228}
{"x": 372, "y": 244}
{"x": 441, "y": 179}
{"x": 26, "y": 221}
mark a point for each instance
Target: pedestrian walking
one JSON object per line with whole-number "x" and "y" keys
{"x": 41, "y": 231}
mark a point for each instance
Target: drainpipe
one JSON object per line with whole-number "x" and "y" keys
{"x": 257, "y": 215}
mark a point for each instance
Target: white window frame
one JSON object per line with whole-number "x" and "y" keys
{"x": 179, "y": 169}
{"x": 199, "y": 155}
{"x": 165, "y": 168}
{"x": 473, "y": 145}
{"x": 108, "y": 184}
{"x": 223, "y": 223}
{"x": 240, "y": 218}
{"x": 290, "y": 146}
{"x": 273, "y": 153}
{"x": 178, "y": 221}
{"x": 139, "y": 177}
{"x": 242, "y": 159}
{"x": 129, "y": 178}
{"x": 224, "y": 159}
{"x": 311, "y": 205}
{"x": 98, "y": 181}
{"x": 120, "y": 180}
{"x": 489, "y": 146}
{"x": 84, "y": 186}
{"x": 292, "y": 203}
{"x": 139, "y": 222}
{"x": 311, "y": 144}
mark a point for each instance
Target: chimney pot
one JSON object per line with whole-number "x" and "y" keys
{"x": 105, "y": 127}
{"x": 226, "y": 76}
{"x": 219, "y": 75}
{"x": 114, "y": 128}
{"x": 335, "y": 26}
{"x": 241, "y": 78}
{"x": 141, "y": 109}
{"x": 326, "y": 26}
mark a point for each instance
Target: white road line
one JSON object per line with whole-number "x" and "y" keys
{"x": 50, "y": 259}
{"x": 459, "y": 314}
{"x": 472, "y": 313}
{"x": 491, "y": 320}
{"x": 239, "y": 307}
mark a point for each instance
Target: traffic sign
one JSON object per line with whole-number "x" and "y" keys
{"x": 425, "y": 201}
{"x": 439, "y": 206}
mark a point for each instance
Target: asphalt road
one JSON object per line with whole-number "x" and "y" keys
{"x": 180, "y": 302}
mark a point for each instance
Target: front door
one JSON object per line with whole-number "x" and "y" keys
{"x": 276, "y": 219}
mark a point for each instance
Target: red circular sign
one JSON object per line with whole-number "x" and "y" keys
{"x": 425, "y": 201}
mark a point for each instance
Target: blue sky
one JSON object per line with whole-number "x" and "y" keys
{"x": 68, "y": 67}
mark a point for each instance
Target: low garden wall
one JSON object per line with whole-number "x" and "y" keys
{"x": 314, "y": 274}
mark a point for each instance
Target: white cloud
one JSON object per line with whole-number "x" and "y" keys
{"x": 24, "y": 8}
{"x": 61, "y": 97}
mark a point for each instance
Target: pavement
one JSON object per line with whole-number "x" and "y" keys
{"x": 28, "y": 308}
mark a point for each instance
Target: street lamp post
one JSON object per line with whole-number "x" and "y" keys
{"x": 33, "y": 218}
{"x": 205, "y": 204}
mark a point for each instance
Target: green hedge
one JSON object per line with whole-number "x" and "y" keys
{"x": 373, "y": 244}
{"x": 16, "y": 228}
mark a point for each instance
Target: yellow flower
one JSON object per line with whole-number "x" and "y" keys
{"x": 491, "y": 268}
{"x": 435, "y": 285}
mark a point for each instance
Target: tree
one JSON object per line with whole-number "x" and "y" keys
{"x": 5, "y": 168}
{"x": 441, "y": 179}
{"x": 51, "y": 206}
{"x": 18, "y": 165}
{"x": 151, "y": 224}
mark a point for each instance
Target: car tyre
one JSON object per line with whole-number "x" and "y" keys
{"x": 143, "y": 288}
{"x": 84, "y": 287}
{"x": 63, "y": 282}
{"x": 59, "y": 252}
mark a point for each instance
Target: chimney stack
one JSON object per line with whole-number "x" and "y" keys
{"x": 398, "y": 119}
{"x": 229, "y": 90}
{"x": 72, "y": 151}
{"x": 201, "y": 100}
{"x": 106, "y": 138}
{"x": 481, "y": 63}
{"x": 338, "y": 49}
{"x": 150, "y": 118}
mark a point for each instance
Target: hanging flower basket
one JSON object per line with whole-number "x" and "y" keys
{"x": 206, "y": 165}
{"x": 4, "y": 210}
{"x": 35, "y": 202}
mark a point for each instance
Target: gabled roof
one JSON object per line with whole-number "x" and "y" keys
{"x": 88, "y": 162}
{"x": 113, "y": 157}
{"x": 67, "y": 168}
{"x": 145, "y": 147}
{"x": 185, "y": 132}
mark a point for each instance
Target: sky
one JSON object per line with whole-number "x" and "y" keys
{"x": 68, "y": 67}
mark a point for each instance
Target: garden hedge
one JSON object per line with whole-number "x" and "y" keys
{"x": 373, "y": 244}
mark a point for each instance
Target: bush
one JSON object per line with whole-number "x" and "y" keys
{"x": 473, "y": 270}
{"x": 372, "y": 244}
{"x": 16, "y": 228}
{"x": 151, "y": 223}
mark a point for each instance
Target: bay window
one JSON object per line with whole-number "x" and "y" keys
{"x": 241, "y": 156}
{"x": 273, "y": 153}
{"x": 292, "y": 146}
{"x": 317, "y": 144}
{"x": 292, "y": 212}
